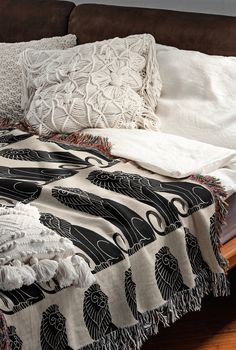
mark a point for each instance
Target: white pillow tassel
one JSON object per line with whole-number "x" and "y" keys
{"x": 85, "y": 278}
{"x": 151, "y": 89}
{"x": 27, "y": 273}
{"x": 66, "y": 274}
{"x": 10, "y": 278}
{"x": 44, "y": 269}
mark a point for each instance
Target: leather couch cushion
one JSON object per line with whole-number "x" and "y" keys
{"x": 210, "y": 34}
{"x": 24, "y": 20}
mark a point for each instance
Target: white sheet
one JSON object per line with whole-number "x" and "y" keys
{"x": 198, "y": 99}
{"x": 172, "y": 155}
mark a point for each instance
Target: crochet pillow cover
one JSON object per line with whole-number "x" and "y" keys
{"x": 10, "y": 72}
{"x": 109, "y": 84}
{"x": 31, "y": 252}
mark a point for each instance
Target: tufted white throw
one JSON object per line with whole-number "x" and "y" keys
{"x": 10, "y": 72}
{"x": 113, "y": 83}
{"x": 31, "y": 252}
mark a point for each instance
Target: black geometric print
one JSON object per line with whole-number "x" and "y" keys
{"x": 14, "y": 340}
{"x": 130, "y": 293}
{"x": 53, "y": 330}
{"x": 97, "y": 316}
{"x": 136, "y": 230}
{"x": 136, "y": 187}
{"x": 45, "y": 175}
{"x": 168, "y": 275}
{"x": 18, "y": 191}
{"x": 101, "y": 251}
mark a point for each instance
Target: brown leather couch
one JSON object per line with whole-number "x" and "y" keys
{"x": 23, "y": 20}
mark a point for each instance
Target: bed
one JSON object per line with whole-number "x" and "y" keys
{"x": 154, "y": 239}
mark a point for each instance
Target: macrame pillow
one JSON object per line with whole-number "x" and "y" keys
{"x": 109, "y": 84}
{"x": 10, "y": 72}
{"x": 31, "y": 252}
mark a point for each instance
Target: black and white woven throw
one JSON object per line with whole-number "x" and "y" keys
{"x": 151, "y": 242}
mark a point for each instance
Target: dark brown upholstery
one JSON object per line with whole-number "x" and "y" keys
{"x": 211, "y": 34}
{"x": 24, "y": 20}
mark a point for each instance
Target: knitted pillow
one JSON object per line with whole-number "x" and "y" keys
{"x": 31, "y": 252}
{"x": 10, "y": 72}
{"x": 109, "y": 84}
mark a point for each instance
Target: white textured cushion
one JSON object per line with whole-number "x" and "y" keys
{"x": 31, "y": 252}
{"x": 10, "y": 72}
{"x": 113, "y": 83}
{"x": 199, "y": 96}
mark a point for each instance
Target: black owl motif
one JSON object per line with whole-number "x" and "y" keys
{"x": 53, "y": 330}
{"x": 168, "y": 275}
{"x": 15, "y": 341}
{"x": 97, "y": 316}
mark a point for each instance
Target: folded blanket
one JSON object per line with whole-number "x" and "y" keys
{"x": 31, "y": 252}
{"x": 172, "y": 155}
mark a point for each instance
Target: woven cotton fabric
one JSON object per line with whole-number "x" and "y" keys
{"x": 150, "y": 241}
{"x": 10, "y": 72}
{"x": 113, "y": 83}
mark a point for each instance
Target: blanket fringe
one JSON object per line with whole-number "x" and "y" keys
{"x": 134, "y": 336}
{"x": 218, "y": 192}
{"x": 221, "y": 206}
{"x": 6, "y": 123}
{"x": 102, "y": 144}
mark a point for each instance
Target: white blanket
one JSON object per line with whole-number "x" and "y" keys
{"x": 172, "y": 155}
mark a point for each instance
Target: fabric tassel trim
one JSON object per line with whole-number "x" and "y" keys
{"x": 67, "y": 271}
{"x": 221, "y": 206}
{"x": 102, "y": 144}
{"x": 149, "y": 323}
{"x": 6, "y": 123}
{"x": 219, "y": 194}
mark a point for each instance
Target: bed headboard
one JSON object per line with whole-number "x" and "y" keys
{"x": 211, "y": 34}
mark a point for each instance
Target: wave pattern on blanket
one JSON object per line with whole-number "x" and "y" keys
{"x": 152, "y": 244}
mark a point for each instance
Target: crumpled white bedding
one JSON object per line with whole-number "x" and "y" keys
{"x": 172, "y": 155}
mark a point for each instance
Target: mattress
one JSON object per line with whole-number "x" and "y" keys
{"x": 229, "y": 229}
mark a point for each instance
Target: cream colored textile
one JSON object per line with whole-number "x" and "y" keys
{"x": 151, "y": 242}
{"x": 31, "y": 252}
{"x": 10, "y": 72}
{"x": 198, "y": 98}
{"x": 113, "y": 83}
